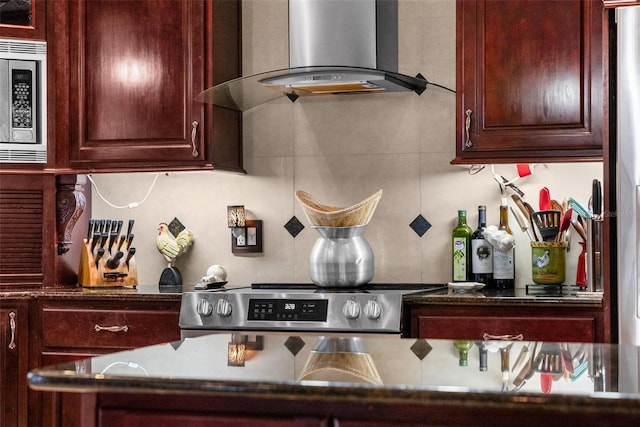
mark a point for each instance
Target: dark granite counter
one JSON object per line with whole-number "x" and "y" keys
{"x": 384, "y": 370}
{"x": 531, "y": 295}
{"x": 140, "y": 291}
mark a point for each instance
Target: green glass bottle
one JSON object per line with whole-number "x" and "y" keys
{"x": 463, "y": 351}
{"x": 461, "y": 249}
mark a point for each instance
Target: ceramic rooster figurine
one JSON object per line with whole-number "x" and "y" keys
{"x": 172, "y": 247}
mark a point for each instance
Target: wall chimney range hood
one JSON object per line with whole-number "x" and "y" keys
{"x": 335, "y": 47}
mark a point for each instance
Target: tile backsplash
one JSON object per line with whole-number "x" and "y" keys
{"x": 340, "y": 149}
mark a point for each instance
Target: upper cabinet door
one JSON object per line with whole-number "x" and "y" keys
{"x": 24, "y": 19}
{"x": 134, "y": 70}
{"x": 530, "y": 81}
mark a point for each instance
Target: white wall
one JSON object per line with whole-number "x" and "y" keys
{"x": 340, "y": 149}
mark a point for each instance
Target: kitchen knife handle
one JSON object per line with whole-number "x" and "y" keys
{"x": 121, "y": 241}
{"x": 99, "y": 255}
{"x": 130, "y": 254}
{"x": 114, "y": 260}
{"x": 130, "y": 227}
{"x": 90, "y": 229}
{"x": 596, "y": 197}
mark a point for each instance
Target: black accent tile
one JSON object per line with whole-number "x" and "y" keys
{"x": 294, "y": 226}
{"x": 420, "y": 225}
{"x": 421, "y": 348}
{"x": 294, "y": 344}
{"x": 175, "y": 227}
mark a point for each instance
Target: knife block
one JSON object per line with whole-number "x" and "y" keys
{"x": 92, "y": 274}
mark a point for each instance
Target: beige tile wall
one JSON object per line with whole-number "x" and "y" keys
{"x": 341, "y": 149}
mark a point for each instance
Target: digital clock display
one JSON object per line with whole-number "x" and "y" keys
{"x": 287, "y": 310}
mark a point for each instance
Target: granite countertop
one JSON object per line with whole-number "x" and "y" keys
{"x": 531, "y": 295}
{"x": 140, "y": 291}
{"x": 383, "y": 369}
{"x": 536, "y": 295}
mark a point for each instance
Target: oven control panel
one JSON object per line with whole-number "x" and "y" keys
{"x": 293, "y": 311}
{"x": 304, "y": 310}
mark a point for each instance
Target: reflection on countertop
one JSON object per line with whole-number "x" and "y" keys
{"x": 392, "y": 368}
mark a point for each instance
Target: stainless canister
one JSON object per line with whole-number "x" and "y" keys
{"x": 341, "y": 257}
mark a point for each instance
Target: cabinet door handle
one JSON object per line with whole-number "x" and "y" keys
{"x": 489, "y": 337}
{"x": 467, "y": 126}
{"x": 194, "y": 134}
{"x": 99, "y": 328}
{"x": 12, "y": 325}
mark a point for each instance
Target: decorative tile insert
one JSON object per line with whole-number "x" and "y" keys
{"x": 421, "y": 348}
{"x": 294, "y": 226}
{"x": 294, "y": 344}
{"x": 420, "y": 225}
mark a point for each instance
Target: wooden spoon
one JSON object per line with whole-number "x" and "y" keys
{"x": 564, "y": 224}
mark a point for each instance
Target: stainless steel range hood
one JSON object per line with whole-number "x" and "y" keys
{"x": 335, "y": 47}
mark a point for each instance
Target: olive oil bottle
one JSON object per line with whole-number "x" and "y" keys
{"x": 461, "y": 249}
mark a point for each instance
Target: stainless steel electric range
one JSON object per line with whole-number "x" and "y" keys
{"x": 374, "y": 308}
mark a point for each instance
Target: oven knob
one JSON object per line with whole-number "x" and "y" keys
{"x": 372, "y": 309}
{"x": 223, "y": 308}
{"x": 351, "y": 309}
{"x": 204, "y": 307}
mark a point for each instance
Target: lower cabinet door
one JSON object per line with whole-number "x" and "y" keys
{"x": 558, "y": 329}
{"x": 135, "y": 418}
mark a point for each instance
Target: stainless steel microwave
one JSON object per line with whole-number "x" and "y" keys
{"x": 23, "y": 105}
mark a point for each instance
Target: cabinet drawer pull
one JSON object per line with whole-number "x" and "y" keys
{"x": 489, "y": 337}
{"x": 12, "y": 323}
{"x": 99, "y": 328}
{"x": 194, "y": 134}
{"x": 467, "y": 126}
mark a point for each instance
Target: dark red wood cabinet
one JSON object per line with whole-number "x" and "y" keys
{"x": 13, "y": 361}
{"x": 67, "y": 329}
{"x": 529, "y": 323}
{"x": 531, "y": 80}
{"x": 24, "y": 19}
{"x": 27, "y": 224}
{"x": 127, "y": 73}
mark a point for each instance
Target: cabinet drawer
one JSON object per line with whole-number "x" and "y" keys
{"x": 560, "y": 329}
{"x": 102, "y": 328}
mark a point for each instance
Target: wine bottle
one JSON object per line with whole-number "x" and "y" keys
{"x": 481, "y": 251}
{"x": 483, "y": 354}
{"x": 461, "y": 249}
{"x": 463, "y": 351}
{"x": 504, "y": 261}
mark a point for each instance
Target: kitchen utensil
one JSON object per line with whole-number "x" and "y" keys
{"x": 556, "y": 206}
{"x": 130, "y": 253}
{"x": 580, "y": 210}
{"x": 99, "y": 255}
{"x": 535, "y": 232}
{"x": 114, "y": 261}
{"x": 596, "y": 197}
{"x": 528, "y": 225}
{"x": 545, "y": 199}
{"x": 548, "y": 223}
{"x": 579, "y": 228}
{"x": 565, "y": 222}
{"x": 546, "y": 381}
{"x": 522, "y": 222}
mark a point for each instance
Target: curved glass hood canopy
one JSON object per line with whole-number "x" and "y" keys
{"x": 247, "y": 92}
{"x": 335, "y": 47}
